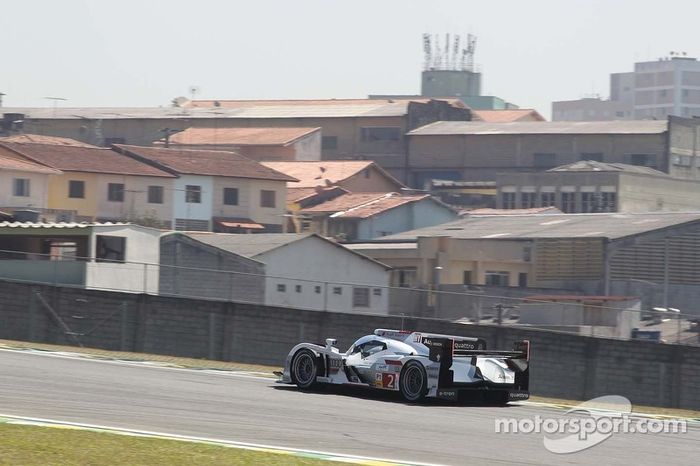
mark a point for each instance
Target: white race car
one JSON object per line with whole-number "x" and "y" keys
{"x": 417, "y": 365}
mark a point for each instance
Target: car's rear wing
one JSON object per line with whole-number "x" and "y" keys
{"x": 443, "y": 347}
{"x": 471, "y": 343}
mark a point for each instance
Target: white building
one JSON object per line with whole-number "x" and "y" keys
{"x": 654, "y": 90}
{"x": 120, "y": 257}
{"x": 307, "y": 271}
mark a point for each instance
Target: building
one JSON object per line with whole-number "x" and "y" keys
{"x": 465, "y": 195}
{"x": 590, "y": 186}
{"x": 507, "y": 115}
{"x": 655, "y": 89}
{"x": 191, "y": 268}
{"x": 478, "y": 151}
{"x": 305, "y": 271}
{"x": 649, "y": 255}
{"x": 120, "y": 257}
{"x": 288, "y": 144}
{"x": 352, "y": 128}
{"x": 363, "y": 216}
{"x": 97, "y": 184}
{"x": 23, "y": 184}
{"x": 217, "y": 190}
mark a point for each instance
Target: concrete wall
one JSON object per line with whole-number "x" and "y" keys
{"x": 249, "y": 200}
{"x": 404, "y": 218}
{"x": 647, "y": 373}
{"x": 188, "y": 210}
{"x": 135, "y": 204}
{"x": 193, "y": 269}
{"x": 38, "y": 195}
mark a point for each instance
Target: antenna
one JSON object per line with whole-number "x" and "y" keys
{"x": 194, "y": 90}
{"x": 427, "y": 52}
{"x": 457, "y": 53}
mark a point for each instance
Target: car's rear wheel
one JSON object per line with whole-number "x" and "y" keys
{"x": 413, "y": 383}
{"x": 304, "y": 368}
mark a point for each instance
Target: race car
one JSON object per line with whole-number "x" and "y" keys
{"x": 418, "y": 365}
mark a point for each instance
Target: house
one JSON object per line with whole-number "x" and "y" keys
{"x": 352, "y": 128}
{"x": 590, "y": 186}
{"x": 507, "y": 115}
{"x": 478, "y": 151}
{"x": 23, "y": 184}
{"x": 218, "y": 190}
{"x": 650, "y": 255}
{"x": 363, "y": 216}
{"x": 287, "y": 144}
{"x": 102, "y": 256}
{"x": 191, "y": 268}
{"x": 356, "y": 176}
{"x": 97, "y": 183}
{"x": 304, "y": 271}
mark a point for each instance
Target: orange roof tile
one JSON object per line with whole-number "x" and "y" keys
{"x": 363, "y": 205}
{"x": 241, "y": 136}
{"x": 41, "y": 139}
{"x": 84, "y": 159}
{"x": 203, "y": 162}
{"x": 508, "y": 115}
{"x": 13, "y": 164}
{"x": 325, "y": 173}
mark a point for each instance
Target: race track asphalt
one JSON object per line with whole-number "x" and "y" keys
{"x": 238, "y": 408}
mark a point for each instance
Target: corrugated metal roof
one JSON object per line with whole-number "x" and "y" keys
{"x": 507, "y": 115}
{"x": 241, "y": 136}
{"x": 443, "y": 128}
{"x": 58, "y": 225}
{"x": 593, "y": 166}
{"x": 41, "y": 139}
{"x": 607, "y": 225}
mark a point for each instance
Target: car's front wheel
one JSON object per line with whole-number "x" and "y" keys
{"x": 413, "y": 383}
{"x": 304, "y": 368}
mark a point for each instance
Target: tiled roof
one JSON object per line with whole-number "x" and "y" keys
{"x": 363, "y": 205}
{"x": 203, "y": 162}
{"x": 325, "y": 173}
{"x": 84, "y": 159}
{"x": 241, "y": 136}
{"x": 445, "y": 128}
{"x": 301, "y": 194}
{"x": 40, "y": 139}
{"x": 504, "y": 116}
{"x": 13, "y": 164}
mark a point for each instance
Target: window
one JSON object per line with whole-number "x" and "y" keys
{"x": 528, "y": 200}
{"x": 317, "y": 289}
{"x": 467, "y": 277}
{"x": 522, "y": 279}
{"x": 76, "y": 189}
{"x": 110, "y": 248}
{"x": 545, "y": 160}
{"x": 589, "y": 202}
{"x": 329, "y": 142}
{"x": 547, "y": 199}
{"x": 608, "y": 202}
{"x": 568, "y": 202}
{"x": 497, "y": 278}
{"x": 281, "y": 287}
{"x": 193, "y": 194}
{"x": 380, "y": 134}
{"x": 360, "y": 297}
{"x": 267, "y": 198}
{"x": 297, "y": 288}
{"x": 377, "y": 292}
{"x": 405, "y": 278}
{"x": 20, "y": 187}
{"x": 508, "y": 200}
{"x": 115, "y": 192}
{"x": 595, "y": 156}
{"x": 231, "y": 196}
{"x": 681, "y": 160}
{"x": 155, "y": 194}
{"x": 644, "y": 160}
{"x": 337, "y": 290}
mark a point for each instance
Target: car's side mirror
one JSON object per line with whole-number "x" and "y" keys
{"x": 330, "y": 342}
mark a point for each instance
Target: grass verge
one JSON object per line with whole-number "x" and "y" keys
{"x": 32, "y": 445}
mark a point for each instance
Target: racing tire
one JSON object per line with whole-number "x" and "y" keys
{"x": 413, "y": 382}
{"x": 304, "y": 368}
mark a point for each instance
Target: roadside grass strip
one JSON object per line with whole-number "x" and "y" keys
{"x": 35, "y": 441}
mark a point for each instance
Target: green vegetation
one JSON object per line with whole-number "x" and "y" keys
{"x": 32, "y": 445}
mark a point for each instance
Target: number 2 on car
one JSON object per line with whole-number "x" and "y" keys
{"x": 389, "y": 380}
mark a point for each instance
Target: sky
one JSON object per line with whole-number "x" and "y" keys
{"x": 147, "y": 52}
